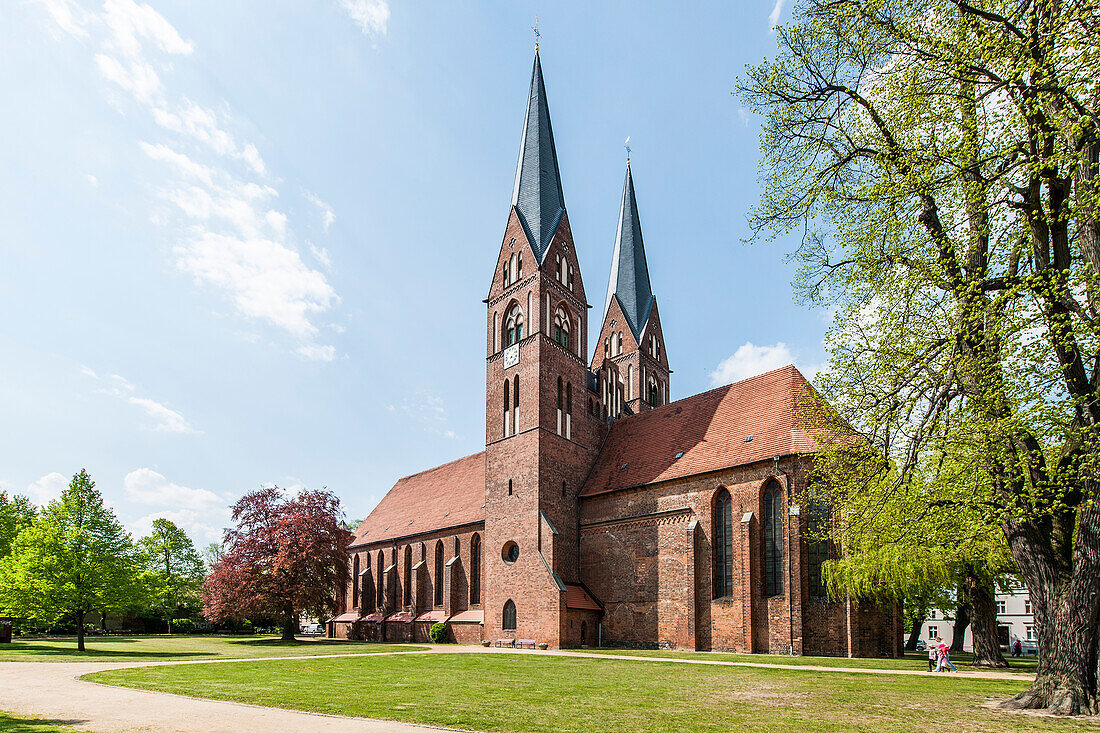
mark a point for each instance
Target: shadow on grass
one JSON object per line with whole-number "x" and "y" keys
{"x": 35, "y": 725}
{"x": 39, "y": 649}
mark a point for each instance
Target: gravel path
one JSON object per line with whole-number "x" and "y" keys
{"x": 52, "y": 691}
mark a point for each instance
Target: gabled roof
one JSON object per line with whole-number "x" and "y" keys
{"x": 537, "y": 193}
{"x": 706, "y": 432}
{"x": 577, "y": 597}
{"x": 445, "y": 496}
{"x": 629, "y": 280}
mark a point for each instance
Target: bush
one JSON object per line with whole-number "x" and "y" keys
{"x": 438, "y": 633}
{"x": 183, "y": 626}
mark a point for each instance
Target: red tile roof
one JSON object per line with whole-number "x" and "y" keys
{"x": 445, "y": 496}
{"x": 709, "y": 429}
{"x": 577, "y": 597}
{"x": 436, "y": 616}
{"x": 345, "y": 617}
{"x": 374, "y": 617}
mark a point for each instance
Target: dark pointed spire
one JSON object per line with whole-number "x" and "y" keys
{"x": 537, "y": 193}
{"x": 629, "y": 272}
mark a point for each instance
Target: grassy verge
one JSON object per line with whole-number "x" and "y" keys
{"x": 14, "y": 724}
{"x": 154, "y": 648}
{"x": 911, "y": 660}
{"x": 501, "y": 692}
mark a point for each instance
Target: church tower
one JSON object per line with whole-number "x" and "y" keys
{"x": 540, "y": 438}
{"x": 630, "y": 361}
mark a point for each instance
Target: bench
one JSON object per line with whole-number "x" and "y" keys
{"x": 505, "y": 642}
{"x": 525, "y": 643}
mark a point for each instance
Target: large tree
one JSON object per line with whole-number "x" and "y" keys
{"x": 74, "y": 559}
{"x": 940, "y": 160}
{"x": 16, "y": 514}
{"x": 176, "y": 571}
{"x": 285, "y": 555}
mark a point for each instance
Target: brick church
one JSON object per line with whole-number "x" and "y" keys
{"x": 601, "y": 512}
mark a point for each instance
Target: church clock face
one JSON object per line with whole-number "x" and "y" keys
{"x": 511, "y": 356}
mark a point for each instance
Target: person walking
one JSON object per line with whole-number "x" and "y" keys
{"x": 933, "y": 656}
{"x": 945, "y": 656}
{"x": 1017, "y": 649}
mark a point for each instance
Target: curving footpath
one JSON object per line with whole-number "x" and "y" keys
{"x": 52, "y": 690}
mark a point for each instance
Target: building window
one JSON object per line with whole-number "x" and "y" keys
{"x": 723, "y": 545}
{"x": 817, "y": 548}
{"x": 933, "y": 632}
{"x": 606, "y": 349}
{"x": 519, "y": 266}
{"x": 381, "y": 579}
{"x": 620, "y": 343}
{"x": 653, "y": 393}
{"x": 513, "y": 326}
{"x": 561, "y": 405}
{"x": 932, "y": 614}
{"x": 475, "y": 570}
{"x": 1000, "y": 607}
{"x": 1029, "y": 632}
{"x": 507, "y": 407}
{"x": 510, "y": 552}
{"x": 408, "y": 575}
{"x": 515, "y": 404}
{"x": 355, "y": 582}
{"x": 568, "y": 411}
{"x": 561, "y": 328}
{"x": 457, "y": 546}
{"x": 1027, "y": 605}
{"x": 438, "y": 573}
{"x": 773, "y": 541}
{"x": 508, "y": 619}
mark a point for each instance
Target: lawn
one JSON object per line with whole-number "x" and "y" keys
{"x": 504, "y": 692}
{"x": 911, "y": 660}
{"x": 15, "y": 724}
{"x": 154, "y": 648}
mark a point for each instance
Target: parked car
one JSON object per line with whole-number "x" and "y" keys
{"x": 1030, "y": 646}
{"x": 921, "y": 646}
{"x": 308, "y": 629}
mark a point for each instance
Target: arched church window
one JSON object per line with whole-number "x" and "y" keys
{"x": 508, "y": 618}
{"x": 620, "y": 350}
{"x": 561, "y": 405}
{"x": 773, "y": 539}
{"x": 507, "y": 407}
{"x": 568, "y": 410}
{"x": 519, "y": 266}
{"x": 438, "y": 573}
{"x": 408, "y": 575}
{"x": 817, "y": 547}
{"x": 381, "y": 578}
{"x": 630, "y": 382}
{"x": 653, "y": 392}
{"x": 355, "y": 582}
{"x": 475, "y": 570}
{"x": 512, "y": 269}
{"x": 723, "y": 545}
{"x": 561, "y": 328}
{"x": 515, "y": 404}
{"x": 513, "y": 326}
{"x": 559, "y": 273}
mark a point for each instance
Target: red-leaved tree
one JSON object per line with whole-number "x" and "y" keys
{"x": 286, "y": 555}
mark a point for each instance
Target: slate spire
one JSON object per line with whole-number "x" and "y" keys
{"x": 537, "y": 194}
{"x": 629, "y": 272}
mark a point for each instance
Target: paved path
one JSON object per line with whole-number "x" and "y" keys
{"x": 51, "y": 690}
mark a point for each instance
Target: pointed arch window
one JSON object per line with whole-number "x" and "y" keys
{"x": 515, "y": 404}
{"x": 773, "y": 540}
{"x": 817, "y": 547}
{"x": 508, "y": 618}
{"x": 561, "y": 405}
{"x": 562, "y": 327}
{"x": 475, "y": 570}
{"x": 438, "y": 573}
{"x": 408, "y": 575}
{"x": 381, "y": 579}
{"x": 653, "y": 392}
{"x": 723, "y": 545}
{"x": 355, "y": 582}
{"x": 620, "y": 350}
{"x": 507, "y": 407}
{"x": 513, "y": 325}
{"x": 568, "y": 410}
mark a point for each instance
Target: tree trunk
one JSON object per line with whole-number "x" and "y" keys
{"x": 962, "y": 620}
{"x": 914, "y": 634}
{"x": 983, "y": 622}
{"x": 80, "y": 631}
{"x": 290, "y": 624}
{"x": 1066, "y": 606}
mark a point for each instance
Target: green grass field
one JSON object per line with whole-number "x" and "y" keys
{"x": 502, "y": 692}
{"x": 14, "y": 724}
{"x": 911, "y": 660}
{"x": 156, "y": 648}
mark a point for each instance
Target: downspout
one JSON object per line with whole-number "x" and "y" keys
{"x": 790, "y": 586}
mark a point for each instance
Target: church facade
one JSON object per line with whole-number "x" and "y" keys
{"x": 601, "y": 512}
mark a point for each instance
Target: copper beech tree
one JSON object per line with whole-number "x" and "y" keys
{"x": 286, "y": 555}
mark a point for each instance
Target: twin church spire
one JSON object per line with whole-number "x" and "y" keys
{"x": 539, "y": 200}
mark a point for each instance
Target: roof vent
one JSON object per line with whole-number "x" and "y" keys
{"x": 679, "y": 455}
{"x": 748, "y": 438}
{"x": 622, "y": 467}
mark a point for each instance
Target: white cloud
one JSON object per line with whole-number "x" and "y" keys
{"x": 744, "y": 115}
{"x": 328, "y": 216}
{"x": 202, "y": 527}
{"x": 371, "y": 15}
{"x": 427, "y": 408}
{"x": 146, "y": 486}
{"x": 750, "y": 360}
{"x": 227, "y": 233}
{"x": 165, "y": 419}
{"x": 47, "y": 488}
{"x": 321, "y": 255}
{"x": 317, "y": 352}
{"x": 777, "y": 10}
{"x": 92, "y": 180}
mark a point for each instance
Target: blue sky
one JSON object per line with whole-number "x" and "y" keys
{"x": 247, "y": 242}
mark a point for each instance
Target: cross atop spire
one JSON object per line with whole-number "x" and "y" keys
{"x": 537, "y": 193}
{"x": 629, "y": 272}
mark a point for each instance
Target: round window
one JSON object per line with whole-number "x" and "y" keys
{"x": 510, "y": 552}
